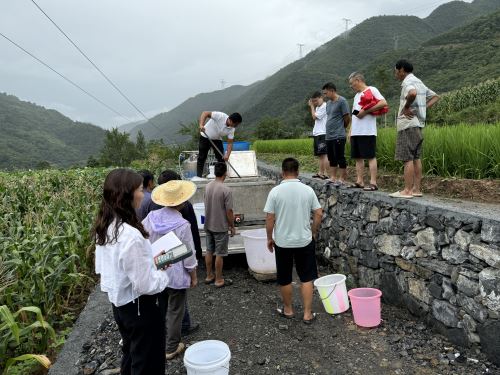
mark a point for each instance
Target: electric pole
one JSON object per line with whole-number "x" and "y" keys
{"x": 301, "y": 45}
{"x": 347, "y": 21}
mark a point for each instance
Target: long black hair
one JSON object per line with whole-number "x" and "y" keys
{"x": 117, "y": 204}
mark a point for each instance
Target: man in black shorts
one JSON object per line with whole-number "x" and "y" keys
{"x": 338, "y": 119}
{"x": 288, "y": 208}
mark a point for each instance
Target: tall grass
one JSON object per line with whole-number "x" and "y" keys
{"x": 465, "y": 151}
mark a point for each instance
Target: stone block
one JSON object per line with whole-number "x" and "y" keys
{"x": 473, "y": 308}
{"x": 448, "y": 289}
{"x": 462, "y": 239}
{"x": 369, "y": 259}
{"x": 418, "y": 289}
{"x": 365, "y": 243}
{"x": 435, "y": 290}
{"x": 373, "y": 215}
{"x": 437, "y": 266}
{"x": 434, "y": 222}
{"x": 408, "y": 252}
{"x": 426, "y": 239}
{"x": 388, "y": 244}
{"x": 415, "y": 306}
{"x": 467, "y": 286}
{"x": 488, "y": 253}
{"x": 391, "y": 289}
{"x": 405, "y": 265}
{"x": 445, "y": 313}
{"x": 368, "y": 277}
{"x": 470, "y": 327}
{"x": 442, "y": 239}
{"x": 454, "y": 254}
{"x": 353, "y": 237}
{"x": 490, "y": 344}
{"x": 489, "y": 286}
{"x": 490, "y": 231}
{"x": 332, "y": 200}
{"x": 384, "y": 225}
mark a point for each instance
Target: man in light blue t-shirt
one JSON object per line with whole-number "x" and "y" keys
{"x": 288, "y": 207}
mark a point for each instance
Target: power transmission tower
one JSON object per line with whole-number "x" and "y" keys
{"x": 301, "y": 45}
{"x": 347, "y": 21}
{"x": 396, "y": 40}
{"x": 222, "y": 84}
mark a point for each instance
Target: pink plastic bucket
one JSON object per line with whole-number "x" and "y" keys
{"x": 366, "y": 306}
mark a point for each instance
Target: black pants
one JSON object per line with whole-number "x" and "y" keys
{"x": 203, "y": 148}
{"x": 336, "y": 153}
{"x": 143, "y": 335}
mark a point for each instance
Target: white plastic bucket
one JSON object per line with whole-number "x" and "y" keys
{"x": 259, "y": 259}
{"x": 199, "y": 211}
{"x": 333, "y": 293}
{"x": 207, "y": 357}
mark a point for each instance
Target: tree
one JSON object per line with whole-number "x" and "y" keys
{"x": 118, "y": 149}
{"x": 273, "y": 128}
{"x": 92, "y": 162}
{"x": 140, "y": 144}
{"x": 193, "y": 131}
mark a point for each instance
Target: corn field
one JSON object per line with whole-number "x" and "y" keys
{"x": 465, "y": 151}
{"x": 45, "y": 223}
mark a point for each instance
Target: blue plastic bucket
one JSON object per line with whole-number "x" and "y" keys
{"x": 238, "y": 146}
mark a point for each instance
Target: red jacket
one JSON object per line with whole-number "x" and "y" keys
{"x": 368, "y": 100}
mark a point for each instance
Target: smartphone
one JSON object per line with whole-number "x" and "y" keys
{"x": 355, "y": 112}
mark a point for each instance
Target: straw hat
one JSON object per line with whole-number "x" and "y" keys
{"x": 173, "y": 193}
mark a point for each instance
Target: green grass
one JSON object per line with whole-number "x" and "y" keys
{"x": 464, "y": 151}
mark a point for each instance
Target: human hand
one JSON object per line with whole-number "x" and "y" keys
{"x": 270, "y": 245}
{"x": 233, "y": 231}
{"x": 361, "y": 114}
{"x": 408, "y": 113}
{"x": 202, "y": 128}
{"x": 226, "y": 157}
{"x": 310, "y": 103}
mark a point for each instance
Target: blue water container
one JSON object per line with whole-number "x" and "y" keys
{"x": 238, "y": 146}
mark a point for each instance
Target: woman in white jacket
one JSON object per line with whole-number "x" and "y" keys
{"x": 128, "y": 275}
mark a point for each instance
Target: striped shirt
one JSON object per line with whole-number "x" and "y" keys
{"x": 419, "y": 105}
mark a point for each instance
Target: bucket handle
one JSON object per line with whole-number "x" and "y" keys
{"x": 329, "y": 294}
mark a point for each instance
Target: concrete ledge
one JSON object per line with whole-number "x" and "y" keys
{"x": 90, "y": 319}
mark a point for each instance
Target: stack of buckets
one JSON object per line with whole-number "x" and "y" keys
{"x": 366, "y": 304}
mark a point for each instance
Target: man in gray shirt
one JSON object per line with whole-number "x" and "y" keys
{"x": 219, "y": 218}
{"x": 338, "y": 119}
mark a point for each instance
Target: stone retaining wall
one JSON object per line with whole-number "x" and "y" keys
{"x": 440, "y": 261}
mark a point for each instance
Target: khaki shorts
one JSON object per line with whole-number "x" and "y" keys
{"x": 217, "y": 243}
{"x": 409, "y": 144}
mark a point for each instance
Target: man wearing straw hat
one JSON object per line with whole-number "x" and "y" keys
{"x": 288, "y": 207}
{"x": 182, "y": 275}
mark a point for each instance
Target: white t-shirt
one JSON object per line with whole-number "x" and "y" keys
{"x": 216, "y": 127}
{"x": 368, "y": 124}
{"x": 320, "y": 122}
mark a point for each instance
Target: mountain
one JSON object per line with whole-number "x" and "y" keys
{"x": 128, "y": 127}
{"x": 31, "y": 134}
{"x": 431, "y": 43}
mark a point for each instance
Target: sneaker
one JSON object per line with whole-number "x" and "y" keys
{"x": 180, "y": 348}
{"x": 194, "y": 327}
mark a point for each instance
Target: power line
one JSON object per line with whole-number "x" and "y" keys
{"x": 95, "y": 66}
{"x": 64, "y": 77}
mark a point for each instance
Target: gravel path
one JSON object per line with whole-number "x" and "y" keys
{"x": 243, "y": 315}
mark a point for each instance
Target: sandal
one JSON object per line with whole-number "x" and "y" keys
{"x": 281, "y": 312}
{"x": 316, "y": 176}
{"x": 227, "y": 282}
{"x": 324, "y": 177}
{"x": 310, "y": 321}
{"x": 371, "y": 187}
{"x": 356, "y": 186}
{"x": 209, "y": 281}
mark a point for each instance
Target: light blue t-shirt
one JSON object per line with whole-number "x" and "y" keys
{"x": 292, "y": 202}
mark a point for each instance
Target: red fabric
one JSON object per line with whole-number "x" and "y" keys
{"x": 368, "y": 100}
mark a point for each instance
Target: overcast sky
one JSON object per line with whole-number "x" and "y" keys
{"x": 161, "y": 52}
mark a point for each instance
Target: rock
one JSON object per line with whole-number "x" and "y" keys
{"x": 489, "y": 286}
{"x": 442, "y": 239}
{"x": 365, "y": 243}
{"x": 90, "y": 368}
{"x": 418, "y": 289}
{"x": 426, "y": 239}
{"x": 373, "y": 215}
{"x": 437, "y": 266}
{"x": 435, "y": 290}
{"x": 327, "y": 253}
{"x": 408, "y": 252}
{"x": 490, "y": 344}
{"x": 489, "y": 253}
{"x": 462, "y": 239}
{"x": 454, "y": 254}
{"x": 332, "y": 200}
{"x": 472, "y": 307}
{"x": 445, "y": 313}
{"x": 490, "y": 231}
{"x": 433, "y": 221}
{"x": 448, "y": 290}
{"x": 110, "y": 372}
{"x": 368, "y": 277}
{"x": 283, "y": 327}
{"x": 353, "y": 237}
{"x": 369, "y": 259}
{"x": 470, "y": 327}
{"x": 467, "y": 286}
{"x": 388, "y": 244}
{"x": 391, "y": 290}
{"x": 384, "y": 225}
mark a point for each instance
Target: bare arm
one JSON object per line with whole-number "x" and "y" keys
{"x": 230, "y": 220}
{"x": 312, "y": 109}
{"x": 270, "y": 220}
{"x": 410, "y": 98}
{"x": 317, "y": 216}
{"x": 363, "y": 112}
{"x": 432, "y": 101}
{"x": 203, "y": 118}
{"x": 229, "y": 149}
{"x": 347, "y": 120}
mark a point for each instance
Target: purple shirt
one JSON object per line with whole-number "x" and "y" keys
{"x": 165, "y": 220}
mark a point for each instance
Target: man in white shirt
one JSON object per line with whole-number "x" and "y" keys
{"x": 414, "y": 101}
{"x": 317, "y": 107}
{"x": 219, "y": 125}
{"x": 363, "y": 133}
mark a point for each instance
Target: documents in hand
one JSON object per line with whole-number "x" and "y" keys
{"x": 174, "y": 250}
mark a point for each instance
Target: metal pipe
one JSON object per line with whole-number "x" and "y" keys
{"x": 220, "y": 153}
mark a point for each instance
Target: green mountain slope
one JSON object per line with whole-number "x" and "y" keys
{"x": 31, "y": 134}
{"x": 445, "y": 59}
